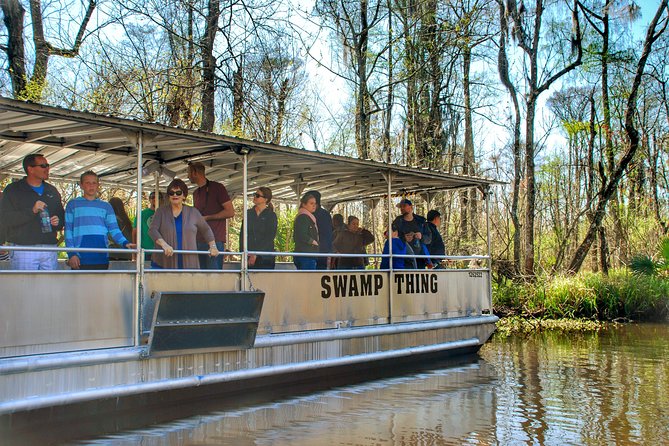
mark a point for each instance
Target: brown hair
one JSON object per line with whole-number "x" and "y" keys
{"x": 88, "y": 173}
{"x": 196, "y": 167}
{"x": 267, "y": 193}
{"x": 29, "y": 160}
{"x": 122, "y": 218}
{"x": 177, "y": 183}
{"x": 306, "y": 197}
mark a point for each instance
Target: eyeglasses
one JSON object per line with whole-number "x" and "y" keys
{"x": 257, "y": 195}
{"x": 178, "y": 193}
{"x": 43, "y": 165}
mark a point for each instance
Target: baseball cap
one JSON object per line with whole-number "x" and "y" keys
{"x": 405, "y": 201}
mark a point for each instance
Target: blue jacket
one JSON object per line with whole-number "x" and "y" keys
{"x": 399, "y": 248}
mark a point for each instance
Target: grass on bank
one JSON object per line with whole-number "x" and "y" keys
{"x": 579, "y": 302}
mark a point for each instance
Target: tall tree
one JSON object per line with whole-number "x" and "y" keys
{"x": 505, "y": 77}
{"x": 31, "y": 86}
{"x": 352, "y": 22}
{"x": 656, "y": 28}
{"x": 526, "y": 27}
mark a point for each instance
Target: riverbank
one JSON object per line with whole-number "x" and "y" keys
{"x": 581, "y": 302}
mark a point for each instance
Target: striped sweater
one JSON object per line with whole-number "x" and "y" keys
{"x": 87, "y": 223}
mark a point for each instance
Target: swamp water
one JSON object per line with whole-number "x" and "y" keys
{"x": 610, "y": 387}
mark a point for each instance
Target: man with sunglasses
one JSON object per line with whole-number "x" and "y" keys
{"x": 22, "y": 203}
{"x": 212, "y": 200}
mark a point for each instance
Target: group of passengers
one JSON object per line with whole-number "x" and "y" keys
{"x": 32, "y": 214}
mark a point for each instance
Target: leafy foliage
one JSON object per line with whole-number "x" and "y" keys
{"x": 587, "y": 295}
{"x": 645, "y": 265}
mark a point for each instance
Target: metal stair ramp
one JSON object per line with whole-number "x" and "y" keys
{"x": 190, "y": 322}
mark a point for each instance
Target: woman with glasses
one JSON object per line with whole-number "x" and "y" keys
{"x": 262, "y": 229}
{"x": 175, "y": 226}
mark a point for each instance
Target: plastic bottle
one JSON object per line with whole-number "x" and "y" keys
{"x": 45, "y": 220}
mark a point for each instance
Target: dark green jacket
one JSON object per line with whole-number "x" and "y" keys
{"x": 304, "y": 233}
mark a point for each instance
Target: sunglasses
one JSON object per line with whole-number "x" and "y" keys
{"x": 178, "y": 193}
{"x": 257, "y": 195}
{"x": 43, "y": 165}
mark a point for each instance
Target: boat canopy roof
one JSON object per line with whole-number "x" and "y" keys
{"x": 76, "y": 141}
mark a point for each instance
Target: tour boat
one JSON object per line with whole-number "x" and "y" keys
{"x": 102, "y": 341}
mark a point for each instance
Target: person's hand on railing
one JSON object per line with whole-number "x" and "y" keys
{"x": 167, "y": 249}
{"x": 74, "y": 262}
{"x": 131, "y": 245}
{"x": 213, "y": 250}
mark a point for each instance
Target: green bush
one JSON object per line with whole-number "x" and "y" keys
{"x": 587, "y": 295}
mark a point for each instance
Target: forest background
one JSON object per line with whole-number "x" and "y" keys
{"x": 563, "y": 101}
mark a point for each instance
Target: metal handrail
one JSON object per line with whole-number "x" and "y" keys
{"x": 230, "y": 253}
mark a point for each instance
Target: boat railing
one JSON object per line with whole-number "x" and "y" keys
{"x": 482, "y": 259}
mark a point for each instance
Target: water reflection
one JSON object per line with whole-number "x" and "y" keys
{"x": 553, "y": 389}
{"x": 606, "y": 388}
{"x": 431, "y": 407}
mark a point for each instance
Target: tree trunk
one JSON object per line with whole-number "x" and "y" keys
{"x": 238, "y": 98}
{"x": 281, "y": 111}
{"x": 387, "y": 116}
{"x": 13, "y": 14}
{"x": 633, "y": 136}
{"x": 209, "y": 67}
{"x": 503, "y": 70}
{"x": 530, "y": 191}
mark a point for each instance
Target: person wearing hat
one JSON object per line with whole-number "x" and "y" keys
{"x": 437, "y": 247}
{"x": 415, "y": 229}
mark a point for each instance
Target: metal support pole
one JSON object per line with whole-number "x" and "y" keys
{"x": 486, "y": 197}
{"x": 139, "y": 272}
{"x": 156, "y": 188}
{"x": 389, "y": 180}
{"x": 245, "y": 223}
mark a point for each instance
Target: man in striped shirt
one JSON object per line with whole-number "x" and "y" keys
{"x": 88, "y": 222}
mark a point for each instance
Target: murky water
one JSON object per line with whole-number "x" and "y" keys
{"x": 553, "y": 389}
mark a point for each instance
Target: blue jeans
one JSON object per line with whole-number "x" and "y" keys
{"x": 207, "y": 261}
{"x": 308, "y": 263}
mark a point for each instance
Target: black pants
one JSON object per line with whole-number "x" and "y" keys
{"x": 102, "y": 266}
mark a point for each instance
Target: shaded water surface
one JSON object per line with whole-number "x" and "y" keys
{"x": 554, "y": 389}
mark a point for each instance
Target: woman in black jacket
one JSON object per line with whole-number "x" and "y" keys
{"x": 305, "y": 232}
{"x": 262, "y": 229}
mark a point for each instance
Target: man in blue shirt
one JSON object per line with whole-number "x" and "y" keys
{"x": 88, "y": 222}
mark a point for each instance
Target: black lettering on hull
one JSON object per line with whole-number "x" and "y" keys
{"x": 416, "y": 283}
{"x": 344, "y": 285}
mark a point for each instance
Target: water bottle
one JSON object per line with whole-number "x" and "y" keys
{"x": 45, "y": 220}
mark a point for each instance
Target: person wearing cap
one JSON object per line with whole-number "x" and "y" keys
{"x": 414, "y": 227}
{"x": 437, "y": 247}
{"x": 211, "y": 198}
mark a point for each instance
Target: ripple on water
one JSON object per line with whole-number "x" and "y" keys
{"x": 551, "y": 389}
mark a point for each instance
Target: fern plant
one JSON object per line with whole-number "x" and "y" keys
{"x": 645, "y": 265}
